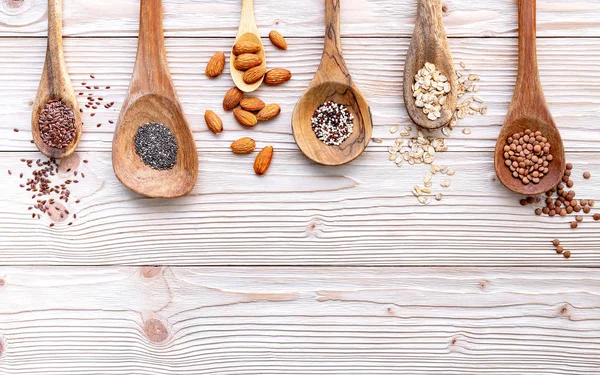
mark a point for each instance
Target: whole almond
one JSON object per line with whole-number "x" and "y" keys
{"x": 245, "y": 118}
{"x": 268, "y": 113}
{"x": 277, "y": 39}
{"x": 213, "y": 121}
{"x": 263, "y": 160}
{"x": 232, "y": 98}
{"x": 243, "y": 146}
{"x": 277, "y": 76}
{"x": 246, "y": 61}
{"x": 254, "y": 75}
{"x": 252, "y": 104}
{"x": 215, "y": 65}
{"x": 245, "y": 47}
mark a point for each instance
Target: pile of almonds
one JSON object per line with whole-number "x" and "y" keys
{"x": 247, "y": 58}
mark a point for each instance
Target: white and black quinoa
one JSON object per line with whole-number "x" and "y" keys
{"x": 332, "y": 123}
{"x": 156, "y": 146}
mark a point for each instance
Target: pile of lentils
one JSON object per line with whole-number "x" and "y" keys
{"x": 527, "y": 155}
{"x": 332, "y": 123}
{"x": 156, "y": 146}
{"x": 57, "y": 124}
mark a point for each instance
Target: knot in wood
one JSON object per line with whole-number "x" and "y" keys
{"x": 150, "y": 272}
{"x": 155, "y": 330}
{"x": 2, "y": 283}
{"x": 14, "y": 7}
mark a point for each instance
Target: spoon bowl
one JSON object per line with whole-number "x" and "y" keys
{"x": 248, "y": 31}
{"x": 152, "y": 97}
{"x": 305, "y": 137}
{"x": 332, "y": 82}
{"x": 55, "y": 84}
{"x": 529, "y": 110}
{"x": 429, "y": 44}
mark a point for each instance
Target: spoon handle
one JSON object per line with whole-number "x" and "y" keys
{"x": 429, "y": 19}
{"x": 332, "y": 61}
{"x": 247, "y": 21}
{"x": 151, "y": 54}
{"x": 528, "y": 75}
{"x": 55, "y": 62}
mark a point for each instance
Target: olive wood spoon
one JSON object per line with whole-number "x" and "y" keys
{"x": 429, "y": 44}
{"x": 529, "y": 110}
{"x": 332, "y": 82}
{"x": 247, "y": 32}
{"x": 152, "y": 97}
{"x": 55, "y": 84}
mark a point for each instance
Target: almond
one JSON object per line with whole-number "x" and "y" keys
{"x": 232, "y": 98}
{"x": 277, "y": 39}
{"x": 268, "y": 113}
{"x": 246, "y": 61}
{"x": 263, "y": 160}
{"x": 243, "y": 146}
{"x": 245, "y": 46}
{"x": 213, "y": 121}
{"x": 215, "y": 65}
{"x": 254, "y": 75}
{"x": 252, "y": 104}
{"x": 277, "y": 76}
{"x": 245, "y": 118}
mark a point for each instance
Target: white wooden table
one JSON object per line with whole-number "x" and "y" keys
{"x": 309, "y": 269}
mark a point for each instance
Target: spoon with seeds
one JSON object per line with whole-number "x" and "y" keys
{"x": 332, "y": 82}
{"x": 430, "y": 45}
{"x": 529, "y": 110}
{"x": 152, "y": 102}
{"x": 55, "y": 85}
{"x": 247, "y": 32}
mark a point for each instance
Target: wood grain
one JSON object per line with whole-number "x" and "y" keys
{"x": 299, "y": 321}
{"x": 572, "y": 99}
{"x": 372, "y": 18}
{"x": 362, "y": 213}
{"x": 332, "y": 82}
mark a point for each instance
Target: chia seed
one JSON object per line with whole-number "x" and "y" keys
{"x": 57, "y": 124}
{"x": 156, "y": 146}
{"x": 332, "y": 123}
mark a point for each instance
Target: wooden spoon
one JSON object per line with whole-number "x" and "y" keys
{"x": 55, "y": 84}
{"x": 429, "y": 44}
{"x": 528, "y": 110}
{"x": 332, "y": 82}
{"x": 247, "y": 32}
{"x": 152, "y": 97}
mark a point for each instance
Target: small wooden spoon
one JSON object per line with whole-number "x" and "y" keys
{"x": 429, "y": 44}
{"x": 152, "y": 97}
{"x": 55, "y": 84}
{"x": 332, "y": 82}
{"x": 528, "y": 110}
{"x": 247, "y": 32}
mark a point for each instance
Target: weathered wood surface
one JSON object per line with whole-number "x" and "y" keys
{"x": 229, "y": 320}
{"x": 299, "y": 18}
{"x": 569, "y": 71}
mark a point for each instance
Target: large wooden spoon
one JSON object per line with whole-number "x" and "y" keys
{"x": 529, "y": 110}
{"x": 429, "y": 44}
{"x": 152, "y": 97}
{"x": 247, "y": 32}
{"x": 332, "y": 82}
{"x": 55, "y": 84}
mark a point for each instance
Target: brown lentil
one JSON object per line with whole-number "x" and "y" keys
{"x": 556, "y": 242}
{"x": 597, "y": 217}
{"x": 587, "y": 175}
{"x": 574, "y": 225}
{"x": 559, "y": 249}
{"x": 567, "y": 254}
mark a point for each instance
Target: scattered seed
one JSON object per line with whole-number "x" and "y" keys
{"x": 567, "y": 254}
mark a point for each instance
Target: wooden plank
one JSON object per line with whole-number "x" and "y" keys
{"x": 298, "y": 214}
{"x": 572, "y": 97}
{"x": 331, "y": 321}
{"x": 209, "y": 18}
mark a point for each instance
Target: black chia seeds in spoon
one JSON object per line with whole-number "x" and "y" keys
{"x": 156, "y": 146}
{"x": 57, "y": 124}
{"x": 332, "y": 123}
